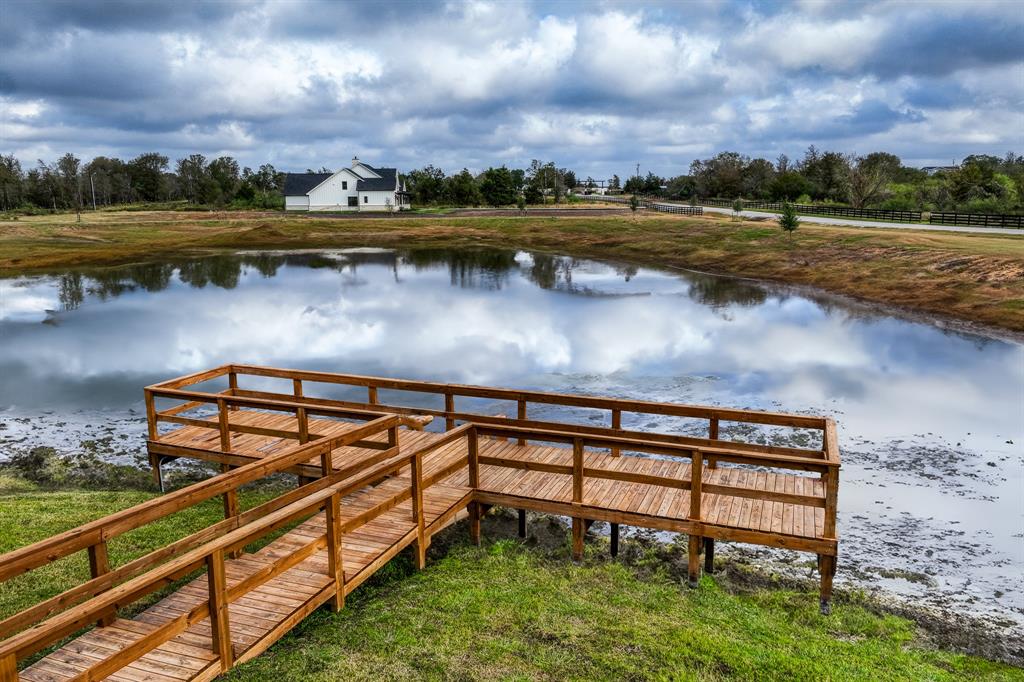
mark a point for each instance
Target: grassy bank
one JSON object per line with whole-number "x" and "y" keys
{"x": 971, "y": 277}
{"x": 520, "y": 611}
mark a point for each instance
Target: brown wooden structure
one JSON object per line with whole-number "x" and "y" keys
{"x": 374, "y": 481}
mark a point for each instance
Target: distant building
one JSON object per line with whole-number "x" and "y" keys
{"x": 360, "y": 187}
{"x": 932, "y": 170}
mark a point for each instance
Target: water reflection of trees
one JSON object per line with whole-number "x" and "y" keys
{"x": 719, "y": 292}
{"x": 467, "y": 269}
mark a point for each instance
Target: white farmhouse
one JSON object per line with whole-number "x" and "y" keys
{"x": 358, "y": 188}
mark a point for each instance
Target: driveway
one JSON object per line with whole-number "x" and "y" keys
{"x": 822, "y": 220}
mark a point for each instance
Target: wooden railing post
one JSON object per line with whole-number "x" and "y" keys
{"x": 616, "y": 425}
{"x": 99, "y": 563}
{"x": 577, "y": 470}
{"x": 696, "y": 483}
{"x": 154, "y": 434}
{"x": 303, "y": 419}
{"x": 393, "y": 437}
{"x": 371, "y": 395}
{"x": 221, "y": 628}
{"x": 831, "y": 501}
{"x": 297, "y": 387}
{"x": 233, "y": 386}
{"x": 713, "y": 435}
{"x": 225, "y": 430}
{"x": 417, "y": 510}
{"x": 521, "y": 415}
{"x": 335, "y": 560}
{"x": 473, "y": 447}
{"x": 231, "y": 508}
{"x": 449, "y": 408}
{"x": 578, "y": 527}
{"x": 9, "y": 668}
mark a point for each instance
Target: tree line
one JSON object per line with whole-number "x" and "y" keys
{"x": 68, "y": 184}
{"x": 980, "y": 184}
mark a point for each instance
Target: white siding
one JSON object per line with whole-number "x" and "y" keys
{"x": 331, "y": 195}
{"x": 296, "y": 203}
{"x": 376, "y": 201}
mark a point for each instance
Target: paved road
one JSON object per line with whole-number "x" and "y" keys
{"x": 822, "y": 220}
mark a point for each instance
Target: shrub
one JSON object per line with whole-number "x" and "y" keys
{"x": 789, "y": 220}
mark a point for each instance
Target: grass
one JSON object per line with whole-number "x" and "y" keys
{"x": 521, "y": 612}
{"x": 971, "y": 277}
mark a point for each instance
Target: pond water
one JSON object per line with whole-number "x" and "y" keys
{"x": 931, "y": 421}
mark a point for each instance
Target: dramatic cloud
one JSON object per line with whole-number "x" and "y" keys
{"x": 594, "y": 86}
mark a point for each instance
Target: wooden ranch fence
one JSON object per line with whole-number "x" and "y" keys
{"x": 372, "y": 476}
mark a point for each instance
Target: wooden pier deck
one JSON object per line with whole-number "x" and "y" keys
{"x": 373, "y": 481}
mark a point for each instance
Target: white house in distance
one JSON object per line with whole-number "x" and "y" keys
{"x": 360, "y": 187}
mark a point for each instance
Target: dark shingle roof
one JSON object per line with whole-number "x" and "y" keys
{"x": 386, "y": 182}
{"x": 299, "y": 184}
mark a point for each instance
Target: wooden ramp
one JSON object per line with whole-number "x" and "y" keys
{"x": 261, "y": 616}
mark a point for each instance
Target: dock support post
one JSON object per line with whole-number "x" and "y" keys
{"x": 522, "y": 523}
{"x": 577, "y": 539}
{"x": 615, "y": 540}
{"x": 827, "y": 569}
{"x": 693, "y": 555}
{"x": 474, "y": 523}
{"x": 709, "y": 555}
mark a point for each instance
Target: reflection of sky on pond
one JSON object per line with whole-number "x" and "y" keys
{"x": 504, "y": 319}
{"x": 926, "y": 416}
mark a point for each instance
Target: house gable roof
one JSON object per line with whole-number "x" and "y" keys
{"x": 387, "y": 182}
{"x": 300, "y": 184}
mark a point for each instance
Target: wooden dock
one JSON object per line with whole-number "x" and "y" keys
{"x": 375, "y": 476}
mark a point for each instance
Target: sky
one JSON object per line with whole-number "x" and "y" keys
{"x": 594, "y": 86}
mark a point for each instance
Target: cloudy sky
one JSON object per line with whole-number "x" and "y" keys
{"x": 596, "y": 86}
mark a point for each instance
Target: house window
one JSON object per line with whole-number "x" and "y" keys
{"x": 353, "y": 201}
{"x": 366, "y": 199}
{"x": 344, "y": 184}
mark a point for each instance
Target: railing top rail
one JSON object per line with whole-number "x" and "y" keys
{"x": 283, "y": 405}
{"x": 658, "y": 447}
{"x": 50, "y": 549}
{"x": 468, "y": 390}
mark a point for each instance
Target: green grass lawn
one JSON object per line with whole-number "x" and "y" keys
{"x": 516, "y": 611}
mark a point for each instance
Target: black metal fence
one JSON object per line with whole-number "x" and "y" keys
{"x": 978, "y": 219}
{"x": 827, "y": 210}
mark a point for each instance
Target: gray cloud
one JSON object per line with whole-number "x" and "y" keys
{"x": 594, "y": 86}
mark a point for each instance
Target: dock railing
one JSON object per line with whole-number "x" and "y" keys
{"x": 111, "y": 588}
{"x": 614, "y": 408}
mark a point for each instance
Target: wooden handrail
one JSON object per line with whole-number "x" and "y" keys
{"x": 451, "y": 417}
{"x": 466, "y": 390}
{"x": 45, "y": 551}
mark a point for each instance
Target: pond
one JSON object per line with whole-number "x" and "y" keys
{"x": 931, "y": 421}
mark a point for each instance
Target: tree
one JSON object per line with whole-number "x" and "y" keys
{"x": 546, "y": 179}
{"x": 719, "y": 176}
{"x": 496, "y": 187}
{"x": 461, "y": 190}
{"x": 788, "y": 186}
{"x": 870, "y": 176}
{"x": 521, "y": 204}
{"x": 737, "y": 208}
{"x": 12, "y": 182}
{"x": 426, "y": 185}
{"x": 827, "y": 172}
{"x": 194, "y": 176}
{"x": 756, "y": 178}
{"x": 634, "y": 204}
{"x": 225, "y": 176}
{"x": 788, "y": 219}
{"x": 145, "y": 174}
{"x": 614, "y": 183}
